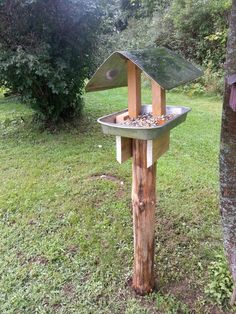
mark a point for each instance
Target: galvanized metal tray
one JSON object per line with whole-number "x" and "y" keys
{"x": 109, "y": 125}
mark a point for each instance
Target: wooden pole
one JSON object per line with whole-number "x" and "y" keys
{"x": 143, "y": 201}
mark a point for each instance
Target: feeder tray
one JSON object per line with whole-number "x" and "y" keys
{"x": 110, "y": 126}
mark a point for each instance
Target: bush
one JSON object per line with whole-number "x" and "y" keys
{"x": 220, "y": 286}
{"x": 197, "y": 29}
{"x": 46, "y": 52}
{"x": 211, "y": 82}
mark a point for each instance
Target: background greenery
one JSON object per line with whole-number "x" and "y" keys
{"x": 48, "y": 48}
{"x": 66, "y": 239}
{"x": 46, "y": 53}
{"x": 195, "y": 28}
{"x": 65, "y": 212}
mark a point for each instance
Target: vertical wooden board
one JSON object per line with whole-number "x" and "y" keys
{"x": 122, "y": 117}
{"x": 158, "y": 99}
{"x": 123, "y": 148}
{"x": 156, "y": 148}
{"x": 134, "y": 89}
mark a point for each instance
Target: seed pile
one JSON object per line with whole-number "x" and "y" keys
{"x": 147, "y": 120}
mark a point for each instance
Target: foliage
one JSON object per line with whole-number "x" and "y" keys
{"x": 66, "y": 233}
{"x": 212, "y": 82}
{"x": 46, "y": 52}
{"x": 128, "y": 25}
{"x": 196, "y": 29}
{"x": 171, "y": 305}
{"x": 221, "y": 285}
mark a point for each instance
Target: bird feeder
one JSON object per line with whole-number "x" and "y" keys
{"x": 144, "y": 144}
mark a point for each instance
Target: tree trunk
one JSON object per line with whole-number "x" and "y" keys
{"x": 228, "y": 153}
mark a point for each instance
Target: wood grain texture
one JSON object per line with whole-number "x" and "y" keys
{"x": 156, "y": 148}
{"x": 123, "y": 148}
{"x": 123, "y": 144}
{"x": 134, "y": 89}
{"x": 122, "y": 117}
{"x": 158, "y": 99}
{"x": 143, "y": 201}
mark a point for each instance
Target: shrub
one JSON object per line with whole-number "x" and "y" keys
{"x": 211, "y": 82}
{"x": 195, "y": 28}
{"x": 220, "y": 286}
{"x": 46, "y": 52}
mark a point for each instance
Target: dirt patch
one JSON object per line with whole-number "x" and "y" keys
{"x": 32, "y": 222}
{"x": 108, "y": 177}
{"x": 183, "y": 291}
{"x": 21, "y": 257}
{"x": 72, "y": 250}
{"x": 68, "y": 290}
{"x": 56, "y": 306}
{"x": 40, "y": 260}
{"x": 186, "y": 293}
{"x": 121, "y": 192}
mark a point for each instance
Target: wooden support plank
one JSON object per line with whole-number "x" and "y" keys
{"x": 122, "y": 117}
{"x": 156, "y": 148}
{"x": 123, "y": 144}
{"x": 123, "y": 148}
{"x": 134, "y": 89}
{"x": 158, "y": 100}
{"x": 143, "y": 201}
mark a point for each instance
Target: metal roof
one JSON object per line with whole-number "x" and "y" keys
{"x": 162, "y": 65}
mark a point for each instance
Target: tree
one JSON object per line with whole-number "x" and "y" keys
{"x": 46, "y": 52}
{"x": 228, "y": 154}
{"x": 195, "y": 28}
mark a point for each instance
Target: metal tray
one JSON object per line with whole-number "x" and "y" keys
{"x": 109, "y": 125}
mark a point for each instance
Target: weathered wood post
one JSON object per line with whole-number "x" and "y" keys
{"x": 143, "y": 201}
{"x": 143, "y": 143}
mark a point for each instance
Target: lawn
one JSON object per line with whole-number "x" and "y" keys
{"x": 66, "y": 232}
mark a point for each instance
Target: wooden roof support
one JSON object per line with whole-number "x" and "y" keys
{"x": 158, "y": 99}
{"x": 134, "y": 89}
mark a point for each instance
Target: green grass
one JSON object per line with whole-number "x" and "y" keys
{"x": 66, "y": 234}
